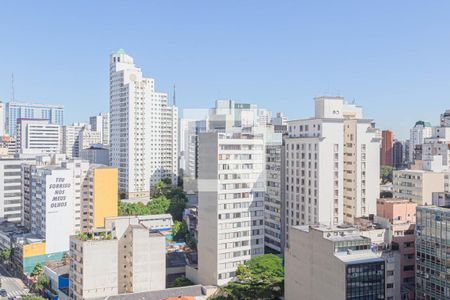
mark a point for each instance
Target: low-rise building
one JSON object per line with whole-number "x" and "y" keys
{"x": 332, "y": 263}
{"x": 106, "y": 263}
{"x": 96, "y": 154}
{"x": 417, "y": 185}
{"x": 399, "y": 216}
{"x": 432, "y": 252}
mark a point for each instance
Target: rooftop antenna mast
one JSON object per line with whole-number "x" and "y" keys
{"x": 12, "y": 87}
{"x": 174, "y": 96}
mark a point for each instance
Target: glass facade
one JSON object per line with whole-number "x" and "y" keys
{"x": 365, "y": 281}
{"x": 17, "y": 110}
{"x": 432, "y": 253}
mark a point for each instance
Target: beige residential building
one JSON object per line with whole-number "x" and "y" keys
{"x": 94, "y": 268}
{"x": 104, "y": 263}
{"x": 323, "y": 263}
{"x": 417, "y": 185}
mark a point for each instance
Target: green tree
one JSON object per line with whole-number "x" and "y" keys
{"x": 160, "y": 188}
{"x": 37, "y": 270}
{"x": 386, "y": 173}
{"x": 176, "y": 208}
{"x": 179, "y": 231}
{"x": 159, "y": 205}
{"x": 262, "y": 277}
{"x": 41, "y": 283}
{"x": 5, "y": 254}
{"x": 181, "y": 281}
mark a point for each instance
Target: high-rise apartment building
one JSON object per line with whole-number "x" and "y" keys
{"x": 11, "y": 189}
{"x": 398, "y": 151}
{"x": 143, "y": 129}
{"x": 21, "y": 110}
{"x": 331, "y": 165}
{"x": 387, "y": 145}
{"x": 79, "y": 193}
{"x": 418, "y": 134}
{"x": 87, "y": 138}
{"x": 231, "y": 204}
{"x": 332, "y": 263}
{"x": 100, "y": 199}
{"x": 432, "y": 251}
{"x": 38, "y": 136}
{"x": 100, "y": 123}
{"x": 71, "y": 139}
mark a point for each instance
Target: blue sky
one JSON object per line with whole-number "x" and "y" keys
{"x": 392, "y": 57}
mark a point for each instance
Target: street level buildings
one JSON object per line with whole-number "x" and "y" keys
{"x": 143, "y": 129}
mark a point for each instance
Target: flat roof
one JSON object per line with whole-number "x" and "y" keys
{"x": 358, "y": 257}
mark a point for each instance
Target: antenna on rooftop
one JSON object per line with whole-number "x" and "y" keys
{"x": 12, "y": 87}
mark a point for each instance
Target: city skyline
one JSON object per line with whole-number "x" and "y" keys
{"x": 389, "y": 65}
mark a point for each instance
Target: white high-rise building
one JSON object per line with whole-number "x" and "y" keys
{"x": 100, "y": 123}
{"x": 52, "y": 206}
{"x": 231, "y": 204}
{"x": 38, "y": 136}
{"x": 143, "y": 129}
{"x": 331, "y": 165}
{"x": 11, "y": 188}
{"x": 87, "y": 138}
{"x": 71, "y": 139}
{"x": 418, "y": 134}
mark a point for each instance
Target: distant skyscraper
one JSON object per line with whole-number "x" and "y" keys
{"x": 100, "y": 123}
{"x": 387, "y": 144}
{"x": 143, "y": 127}
{"x": 418, "y": 133}
{"x": 332, "y": 165}
{"x": 71, "y": 139}
{"x": 397, "y": 154}
{"x": 20, "y": 110}
{"x": 279, "y": 119}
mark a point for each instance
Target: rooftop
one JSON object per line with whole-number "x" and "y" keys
{"x": 358, "y": 257}
{"x": 195, "y": 291}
